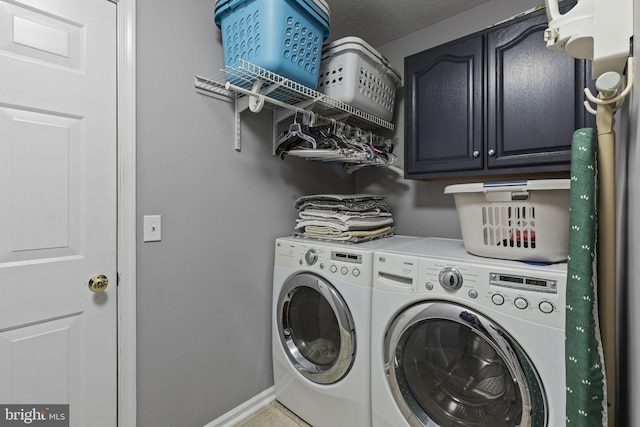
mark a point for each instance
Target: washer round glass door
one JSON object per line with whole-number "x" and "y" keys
{"x": 316, "y": 328}
{"x": 447, "y": 365}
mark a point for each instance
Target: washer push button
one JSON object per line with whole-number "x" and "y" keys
{"x": 497, "y": 299}
{"x": 521, "y": 303}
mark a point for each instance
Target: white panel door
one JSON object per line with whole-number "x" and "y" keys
{"x": 58, "y": 206}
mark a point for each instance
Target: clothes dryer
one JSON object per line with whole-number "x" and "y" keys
{"x": 321, "y": 329}
{"x": 460, "y": 340}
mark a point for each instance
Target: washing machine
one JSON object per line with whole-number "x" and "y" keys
{"x": 460, "y": 340}
{"x": 321, "y": 329}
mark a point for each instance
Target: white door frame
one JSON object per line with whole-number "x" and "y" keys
{"x": 126, "y": 34}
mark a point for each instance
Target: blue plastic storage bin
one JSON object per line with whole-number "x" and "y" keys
{"x": 282, "y": 36}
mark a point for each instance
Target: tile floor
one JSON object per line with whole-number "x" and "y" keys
{"x": 273, "y": 415}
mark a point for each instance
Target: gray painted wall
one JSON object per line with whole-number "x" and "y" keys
{"x": 204, "y": 291}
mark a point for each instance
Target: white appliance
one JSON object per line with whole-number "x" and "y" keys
{"x": 321, "y": 329}
{"x": 593, "y": 29}
{"x": 464, "y": 340}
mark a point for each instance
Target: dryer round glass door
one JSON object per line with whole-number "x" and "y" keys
{"x": 449, "y": 365}
{"x": 316, "y": 328}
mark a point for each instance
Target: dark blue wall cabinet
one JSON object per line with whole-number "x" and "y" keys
{"x": 496, "y": 102}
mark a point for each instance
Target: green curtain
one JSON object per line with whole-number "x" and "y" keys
{"x": 585, "y": 377}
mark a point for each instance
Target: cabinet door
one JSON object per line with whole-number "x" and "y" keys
{"x": 534, "y": 100}
{"x": 444, "y": 108}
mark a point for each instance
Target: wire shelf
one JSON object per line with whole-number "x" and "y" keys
{"x": 263, "y": 86}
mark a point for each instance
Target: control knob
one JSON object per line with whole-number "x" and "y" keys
{"x": 311, "y": 256}
{"x": 450, "y": 278}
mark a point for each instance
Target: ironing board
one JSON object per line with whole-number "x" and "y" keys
{"x": 585, "y": 375}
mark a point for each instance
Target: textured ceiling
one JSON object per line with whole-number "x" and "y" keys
{"x": 381, "y": 21}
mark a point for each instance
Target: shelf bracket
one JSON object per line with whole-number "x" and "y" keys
{"x": 274, "y": 130}
{"x": 238, "y": 123}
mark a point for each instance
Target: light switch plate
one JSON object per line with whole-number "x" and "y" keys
{"x": 152, "y": 228}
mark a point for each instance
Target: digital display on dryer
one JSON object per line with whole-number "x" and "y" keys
{"x": 536, "y": 282}
{"x": 524, "y": 283}
{"x": 511, "y": 279}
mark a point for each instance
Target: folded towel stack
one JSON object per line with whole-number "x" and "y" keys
{"x": 343, "y": 217}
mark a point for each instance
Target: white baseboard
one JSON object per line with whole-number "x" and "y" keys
{"x": 246, "y": 409}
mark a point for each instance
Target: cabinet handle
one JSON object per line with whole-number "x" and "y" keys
{"x": 476, "y": 154}
{"x": 492, "y": 152}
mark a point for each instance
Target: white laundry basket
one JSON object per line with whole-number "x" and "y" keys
{"x": 353, "y": 72}
{"x": 519, "y": 220}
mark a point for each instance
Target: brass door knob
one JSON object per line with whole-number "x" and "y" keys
{"x": 98, "y": 283}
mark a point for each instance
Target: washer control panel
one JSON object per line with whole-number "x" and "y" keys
{"x": 352, "y": 265}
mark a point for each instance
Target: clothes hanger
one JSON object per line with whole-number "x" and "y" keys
{"x": 295, "y": 131}
{"x": 324, "y": 133}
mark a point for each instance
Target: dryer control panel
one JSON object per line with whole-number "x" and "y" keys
{"x": 529, "y": 292}
{"x": 443, "y": 270}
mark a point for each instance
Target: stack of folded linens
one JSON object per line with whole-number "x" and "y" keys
{"x": 343, "y": 217}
